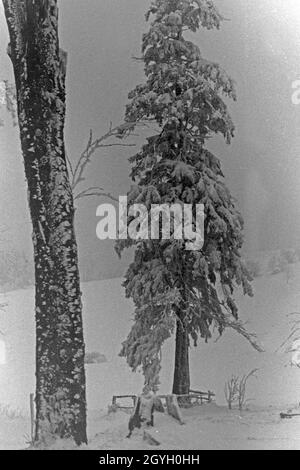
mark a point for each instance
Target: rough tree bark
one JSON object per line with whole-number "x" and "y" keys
{"x": 39, "y": 69}
{"x": 181, "y": 381}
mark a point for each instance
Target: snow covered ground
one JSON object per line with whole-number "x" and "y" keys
{"x": 206, "y": 427}
{"x": 209, "y": 427}
{"x": 107, "y": 317}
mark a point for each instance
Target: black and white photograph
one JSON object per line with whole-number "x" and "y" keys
{"x": 149, "y": 228}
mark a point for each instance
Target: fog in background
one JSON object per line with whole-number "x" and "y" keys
{"x": 258, "y": 45}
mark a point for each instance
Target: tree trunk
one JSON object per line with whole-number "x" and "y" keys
{"x": 39, "y": 69}
{"x": 181, "y": 382}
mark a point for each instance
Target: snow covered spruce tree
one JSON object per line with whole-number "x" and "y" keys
{"x": 39, "y": 69}
{"x": 170, "y": 285}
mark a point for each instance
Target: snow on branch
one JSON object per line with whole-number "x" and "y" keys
{"x": 224, "y": 320}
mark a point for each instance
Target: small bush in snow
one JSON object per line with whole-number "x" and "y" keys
{"x": 231, "y": 391}
{"x": 235, "y": 390}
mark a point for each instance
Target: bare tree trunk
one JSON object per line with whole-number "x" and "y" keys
{"x": 39, "y": 68}
{"x": 181, "y": 381}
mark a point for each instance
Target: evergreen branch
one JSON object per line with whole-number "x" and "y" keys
{"x": 226, "y": 322}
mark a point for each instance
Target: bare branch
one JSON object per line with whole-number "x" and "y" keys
{"x": 69, "y": 164}
{"x": 294, "y": 330}
{"x": 235, "y": 389}
{"x": 122, "y": 131}
{"x": 94, "y": 191}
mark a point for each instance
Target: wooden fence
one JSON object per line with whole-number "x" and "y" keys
{"x": 195, "y": 397}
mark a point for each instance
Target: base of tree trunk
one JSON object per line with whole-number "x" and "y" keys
{"x": 173, "y": 408}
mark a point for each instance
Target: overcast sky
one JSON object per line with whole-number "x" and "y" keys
{"x": 259, "y": 46}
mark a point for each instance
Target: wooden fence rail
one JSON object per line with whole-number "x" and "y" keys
{"x": 195, "y": 397}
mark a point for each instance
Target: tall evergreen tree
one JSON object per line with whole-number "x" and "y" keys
{"x": 169, "y": 285}
{"x": 39, "y": 69}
